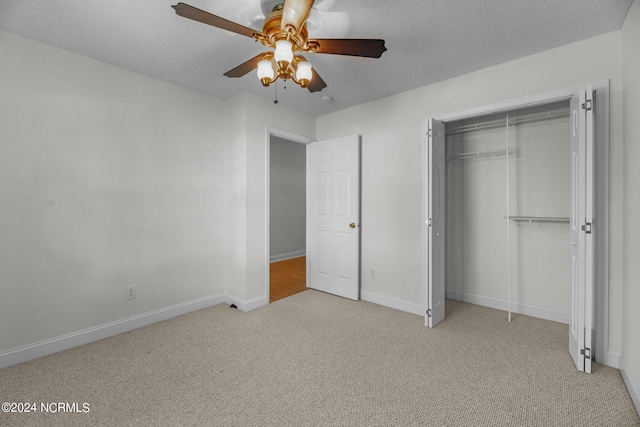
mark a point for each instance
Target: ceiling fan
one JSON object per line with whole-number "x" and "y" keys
{"x": 285, "y": 30}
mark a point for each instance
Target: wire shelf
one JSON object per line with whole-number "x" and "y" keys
{"x": 475, "y": 155}
{"x": 513, "y": 121}
{"x": 537, "y": 219}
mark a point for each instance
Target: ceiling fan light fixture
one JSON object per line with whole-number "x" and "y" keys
{"x": 304, "y": 73}
{"x": 265, "y": 72}
{"x": 283, "y": 53}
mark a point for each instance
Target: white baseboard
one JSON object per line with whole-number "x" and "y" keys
{"x": 525, "y": 309}
{"x": 613, "y": 360}
{"x": 86, "y": 336}
{"x": 397, "y": 304}
{"x": 632, "y": 384}
{"x": 246, "y": 305}
{"x": 290, "y": 255}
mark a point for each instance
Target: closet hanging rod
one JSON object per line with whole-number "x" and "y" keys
{"x": 532, "y": 219}
{"x": 475, "y": 155}
{"x": 513, "y": 121}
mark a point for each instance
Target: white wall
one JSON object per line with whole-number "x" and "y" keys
{"x": 235, "y": 200}
{"x": 631, "y": 70}
{"x": 287, "y": 198}
{"x": 110, "y": 179}
{"x": 246, "y": 255}
{"x": 107, "y": 179}
{"x": 391, "y": 130}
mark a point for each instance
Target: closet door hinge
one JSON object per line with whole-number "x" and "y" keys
{"x": 586, "y": 352}
{"x": 588, "y": 105}
{"x": 429, "y": 312}
{"x": 587, "y": 228}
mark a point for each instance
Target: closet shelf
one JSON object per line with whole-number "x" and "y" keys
{"x": 513, "y": 121}
{"x": 532, "y": 219}
{"x": 475, "y": 155}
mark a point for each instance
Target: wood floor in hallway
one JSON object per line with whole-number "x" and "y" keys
{"x": 287, "y": 277}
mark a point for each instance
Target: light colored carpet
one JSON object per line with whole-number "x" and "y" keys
{"x": 318, "y": 360}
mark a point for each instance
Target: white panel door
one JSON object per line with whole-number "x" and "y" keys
{"x": 333, "y": 216}
{"x": 582, "y": 229}
{"x": 435, "y": 221}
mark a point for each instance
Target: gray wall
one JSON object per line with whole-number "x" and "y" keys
{"x": 287, "y": 198}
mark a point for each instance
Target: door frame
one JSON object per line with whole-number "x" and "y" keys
{"x": 601, "y": 179}
{"x": 295, "y": 138}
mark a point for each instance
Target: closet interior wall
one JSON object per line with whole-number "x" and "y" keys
{"x": 507, "y": 210}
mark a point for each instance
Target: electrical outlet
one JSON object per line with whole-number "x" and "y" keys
{"x": 131, "y": 292}
{"x": 373, "y": 274}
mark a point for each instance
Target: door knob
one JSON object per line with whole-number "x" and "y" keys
{"x": 352, "y": 225}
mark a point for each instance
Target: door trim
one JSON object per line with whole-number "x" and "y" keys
{"x": 269, "y": 132}
{"x": 601, "y": 177}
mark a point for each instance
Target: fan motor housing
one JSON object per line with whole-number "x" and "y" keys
{"x": 273, "y": 31}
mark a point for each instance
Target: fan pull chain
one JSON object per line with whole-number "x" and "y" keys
{"x": 275, "y": 101}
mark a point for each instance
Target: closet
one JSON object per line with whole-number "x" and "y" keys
{"x": 507, "y": 198}
{"x": 516, "y": 212}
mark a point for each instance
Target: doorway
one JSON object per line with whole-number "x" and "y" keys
{"x": 286, "y": 189}
{"x": 331, "y": 241}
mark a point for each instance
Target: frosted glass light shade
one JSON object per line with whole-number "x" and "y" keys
{"x": 265, "y": 70}
{"x": 284, "y": 51}
{"x": 304, "y": 71}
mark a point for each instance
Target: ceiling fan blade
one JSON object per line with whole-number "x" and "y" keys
{"x": 368, "y": 48}
{"x": 316, "y": 84}
{"x": 190, "y": 12}
{"x": 246, "y": 67}
{"x": 295, "y": 14}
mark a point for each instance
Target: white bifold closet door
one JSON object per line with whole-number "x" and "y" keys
{"x": 582, "y": 229}
{"x": 435, "y": 222}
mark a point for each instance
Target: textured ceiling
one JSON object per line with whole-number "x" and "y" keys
{"x": 427, "y": 40}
